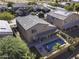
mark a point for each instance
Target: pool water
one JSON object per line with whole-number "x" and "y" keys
{"x": 50, "y": 45}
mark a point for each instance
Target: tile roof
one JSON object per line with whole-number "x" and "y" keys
{"x": 60, "y": 14}
{"x": 30, "y": 21}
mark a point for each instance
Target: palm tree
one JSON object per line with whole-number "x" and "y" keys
{"x": 57, "y": 46}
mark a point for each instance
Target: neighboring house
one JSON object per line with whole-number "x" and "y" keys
{"x": 3, "y": 7}
{"x": 19, "y": 12}
{"x": 5, "y": 29}
{"x": 63, "y": 4}
{"x": 19, "y": 5}
{"x": 63, "y": 19}
{"x": 38, "y": 8}
{"x": 20, "y": 9}
{"x": 33, "y": 28}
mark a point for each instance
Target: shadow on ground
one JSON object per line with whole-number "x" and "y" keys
{"x": 73, "y": 33}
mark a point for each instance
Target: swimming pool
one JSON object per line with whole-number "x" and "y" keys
{"x": 50, "y": 45}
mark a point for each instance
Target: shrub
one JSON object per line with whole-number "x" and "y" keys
{"x": 71, "y": 48}
{"x": 69, "y": 8}
{"x": 14, "y": 48}
{"x": 41, "y": 15}
{"x": 6, "y": 16}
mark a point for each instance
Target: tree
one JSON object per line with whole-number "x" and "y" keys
{"x": 77, "y": 7}
{"x": 10, "y": 4}
{"x": 56, "y": 1}
{"x": 14, "y": 48}
{"x": 6, "y": 16}
{"x": 32, "y": 3}
{"x": 57, "y": 46}
{"x": 69, "y": 8}
{"x": 41, "y": 15}
{"x": 54, "y": 4}
{"x": 71, "y": 48}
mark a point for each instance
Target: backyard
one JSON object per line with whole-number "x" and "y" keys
{"x": 74, "y": 34}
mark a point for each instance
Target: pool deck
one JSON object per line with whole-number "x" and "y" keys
{"x": 42, "y": 50}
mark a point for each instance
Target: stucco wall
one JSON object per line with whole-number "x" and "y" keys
{"x": 57, "y": 22}
{"x": 27, "y": 35}
{"x": 70, "y": 21}
{"x": 39, "y": 29}
{"x": 21, "y": 31}
{"x": 71, "y": 18}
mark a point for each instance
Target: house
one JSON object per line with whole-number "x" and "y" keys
{"x": 20, "y": 9}
{"x": 5, "y": 29}
{"x": 63, "y": 4}
{"x": 32, "y": 28}
{"x": 20, "y": 12}
{"x": 3, "y": 7}
{"x": 38, "y": 8}
{"x": 63, "y": 19}
{"x": 19, "y": 5}
{"x": 40, "y": 35}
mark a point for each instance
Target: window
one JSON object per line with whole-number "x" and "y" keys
{"x": 33, "y": 30}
